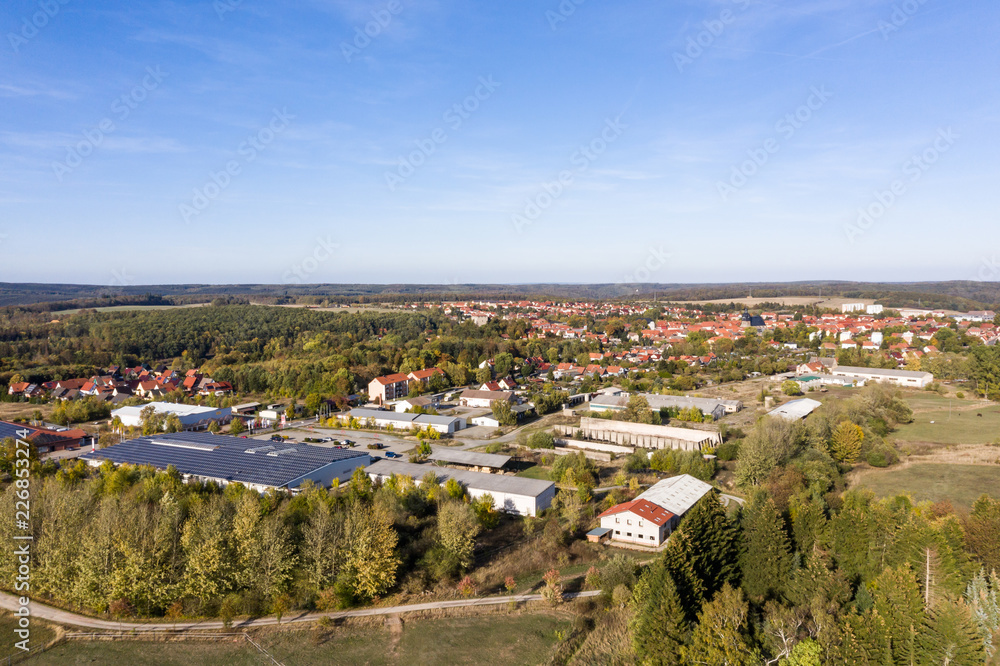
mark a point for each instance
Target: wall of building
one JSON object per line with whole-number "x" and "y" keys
{"x": 638, "y": 434}
{"x": 642, "y": 531}
{"x": 338, "y": 469}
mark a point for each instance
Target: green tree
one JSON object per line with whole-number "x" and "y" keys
{"x": 371, "y": 561}
{"x": 715, "y": 543}
{"x": 457, "y": 530}
{"x": 950, "y": 635}
{"x": 236, "y": 426}
{"x": 765, "y": 559}
{"x": 503, "y": 413}
{"x": 791, "y": 387}
{"x": 659, "y": 627}
{"x": 721, "y": 636}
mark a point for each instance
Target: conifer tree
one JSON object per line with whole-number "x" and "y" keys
{"x": 714, "y": 541}
{"x": 765, "y": 560}
{"x": 950, "y": 636}
{"x": 659, "y": 627}
{"x": 721, "y": 636}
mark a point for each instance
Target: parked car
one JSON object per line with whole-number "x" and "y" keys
{"x": 277, "y": 438}
{"x": 390, "y": 454}
{"x": 376, "y": 445}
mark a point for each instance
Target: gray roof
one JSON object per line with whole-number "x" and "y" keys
{"x": 492, "y": 483}
{"x": 885, "y": 372}
{"x": 223, "y": 457}
{"x": 677, "y": 494}
{"x": 796, "y": 409}
{"x": 405, "y": 417}
{"x": 460, "y": 457}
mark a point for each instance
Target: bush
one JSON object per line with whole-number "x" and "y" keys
{"x": 728, "y": 451}
{"x": 877, "y": 458}
{"x": 960, "y": 395}
{"x": 541, "y": 440}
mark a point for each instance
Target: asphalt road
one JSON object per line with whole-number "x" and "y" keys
{"x": 63, "y": 617}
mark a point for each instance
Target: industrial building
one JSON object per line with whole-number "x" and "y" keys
{"x": 192, "y": 417}
{"x": 906, "y": 378}
{"x": 653, "y": 515}
{"x": 223, "y": 459}
{"x": 446, "y": 425}
{"x": 642, "y": 434}
{"x": 473, "y": 459}
{"x": 714, "y": 407}
{"x": 513, "y": 494}
{"x": 795, "y": 410}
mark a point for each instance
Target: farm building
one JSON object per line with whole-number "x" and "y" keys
{"x": 512, "y": 494}
{"x": 192, "y": 417}
{"x": 224, "y": 459}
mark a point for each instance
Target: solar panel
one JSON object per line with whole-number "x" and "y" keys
{"x": 222, "y": 457}
{"x": 198, "y": 446}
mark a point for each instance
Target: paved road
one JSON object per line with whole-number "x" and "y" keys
{"x": 60, "y": 616}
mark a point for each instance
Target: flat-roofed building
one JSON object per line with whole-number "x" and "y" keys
{"x": 223, "y": 459}
{"x": 513, "y": 494}
{"x": 380, "y": 418}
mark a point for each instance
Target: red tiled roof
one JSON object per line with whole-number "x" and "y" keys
{"x": 642, "y": 508}
{"x": 392, "y": 379}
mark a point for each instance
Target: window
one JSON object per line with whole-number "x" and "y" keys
{"x": 629, "y": 534}
{"x": 617, "y": 521}
{"x": 628, "y": 522}
{"x": 652, "y": 538}
{"x": 640, "y": 523}
{"x": 618, "y": 532}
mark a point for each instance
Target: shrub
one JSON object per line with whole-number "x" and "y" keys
{"x": 960, "y": 395}
{"x": 541, "y": 440}
{"x": 877, "y": 458}
{"x": 728, "y": 451}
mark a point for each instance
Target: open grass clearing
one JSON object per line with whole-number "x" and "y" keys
{"x": 524, "y": 637}
{"x": 957, "y": 426}
{"x": 959, "y": 484}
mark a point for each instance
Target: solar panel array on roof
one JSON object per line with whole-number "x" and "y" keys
{"x": 222, "y": 457}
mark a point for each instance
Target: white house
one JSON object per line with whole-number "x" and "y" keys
{"x": 192, "y": 417}
{"x": 638, "y": 521}
{"x": 907, "y": 378}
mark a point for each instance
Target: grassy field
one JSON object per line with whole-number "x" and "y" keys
{"x": 960, "y": 426}
{"x": 528, "y": 638}
{"x": 959, "y": 484}
{"x": 41, "y": 634}
{"x": 535, "y": 472}
{"x": 117, "y": 308}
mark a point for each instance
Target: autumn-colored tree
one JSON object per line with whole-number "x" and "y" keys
{"x": 845, "y": 442}
{"x": 371, "y": 561}
{"x": 722, "y": 634}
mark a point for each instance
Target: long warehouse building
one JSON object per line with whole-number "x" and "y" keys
{"x": 513, "y": 494}
{"x": 223, "y": 459}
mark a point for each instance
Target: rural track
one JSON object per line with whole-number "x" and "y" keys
{"x": 64, "y": 617}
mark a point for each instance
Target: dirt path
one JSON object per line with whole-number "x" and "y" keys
{"x": 59, "y": 616}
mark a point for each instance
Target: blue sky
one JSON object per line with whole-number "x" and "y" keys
{"x": 588, "y": 141}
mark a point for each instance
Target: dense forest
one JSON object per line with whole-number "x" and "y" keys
{"x": 959, "y": 295}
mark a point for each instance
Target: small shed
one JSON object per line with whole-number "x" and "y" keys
{"x": 599, "y": 534}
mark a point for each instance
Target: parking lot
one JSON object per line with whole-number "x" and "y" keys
{"x": 363, "y": 439}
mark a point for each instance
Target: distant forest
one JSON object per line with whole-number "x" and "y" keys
{"x": 954, "y": 295}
